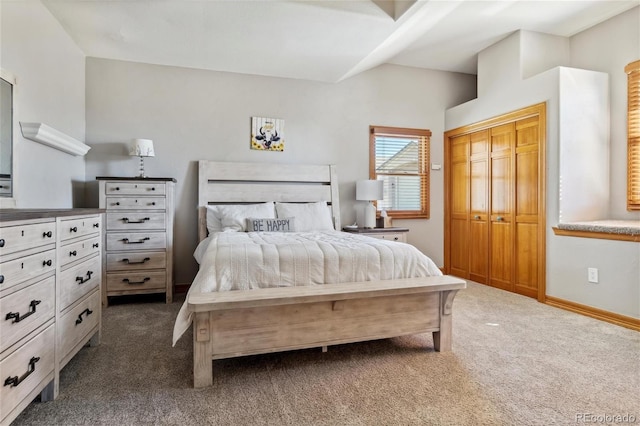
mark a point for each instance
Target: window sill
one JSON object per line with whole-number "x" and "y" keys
{"x": 620, "y": 230}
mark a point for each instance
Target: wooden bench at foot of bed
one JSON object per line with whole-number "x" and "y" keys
{"x": 237, "y": 323}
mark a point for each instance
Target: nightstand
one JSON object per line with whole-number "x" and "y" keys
{"x": 392, "y": 234}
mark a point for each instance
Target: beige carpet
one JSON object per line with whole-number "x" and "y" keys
{"x": 514, "y": 362}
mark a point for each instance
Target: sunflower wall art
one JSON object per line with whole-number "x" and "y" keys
{"x": 267, "y": 134}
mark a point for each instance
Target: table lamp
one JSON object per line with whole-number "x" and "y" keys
{"x": 142, "y": 148}
{"x": 369, "y": 190}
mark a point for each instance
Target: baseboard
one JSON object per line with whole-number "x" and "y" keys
{"x": 613, "y": 318}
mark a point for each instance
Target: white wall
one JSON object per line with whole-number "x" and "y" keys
{"x": 194, "y": 114}
{"x": 567, "y": 257}
{"x": 50, "y": 73}
{"x": 609, "y": 47}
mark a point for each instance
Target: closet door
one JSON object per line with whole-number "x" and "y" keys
{"x": 495, "y": 207}
{"x": 459, "y": 213}
{"x": 527, "y": 220}
{"x": 479, "y": 207}
{"x": 501, "y": 218}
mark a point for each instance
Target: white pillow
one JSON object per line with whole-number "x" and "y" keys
{"x": 309, "y": 216}
{"x": 233, "y": 217}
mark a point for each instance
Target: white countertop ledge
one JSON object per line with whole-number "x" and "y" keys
{"x": 625, "y": 227}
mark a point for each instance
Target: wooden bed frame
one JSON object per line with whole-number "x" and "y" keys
{"x": 237, "y": 323}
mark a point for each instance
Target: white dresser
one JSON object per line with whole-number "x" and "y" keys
{"x": 139, "y": 236}
{"x": 50, "y": 280}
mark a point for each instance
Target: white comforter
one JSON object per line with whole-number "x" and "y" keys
{"x": 248, "y": 260}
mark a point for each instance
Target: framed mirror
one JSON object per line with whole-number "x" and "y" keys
{"x": 7, "y": 127}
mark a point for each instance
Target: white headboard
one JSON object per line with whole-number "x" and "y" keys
{"x": 238, "y": 183}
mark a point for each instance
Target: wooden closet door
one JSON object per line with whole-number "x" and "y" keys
{"x": 495, "y": 205}
{"x": 527, "y": 207}
{"x": 501, "y": 206}
{"x": 459, "y": 213}
{"x": 479, "y": 207}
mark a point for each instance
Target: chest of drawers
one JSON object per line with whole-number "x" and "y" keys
{"x": 139, "y": 236}
{"x": 50, "y": 275}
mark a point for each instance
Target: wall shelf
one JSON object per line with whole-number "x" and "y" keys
{"x": 46, "y": 135}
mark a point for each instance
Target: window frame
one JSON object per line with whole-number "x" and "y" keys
{"x": 633, "y": 135}
{"x": 424, "y": 154}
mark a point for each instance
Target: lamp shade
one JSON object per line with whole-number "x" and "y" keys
{"x": 369, "y": 190}
{"x": 142, "y": 148}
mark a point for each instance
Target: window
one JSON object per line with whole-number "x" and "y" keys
{"x": 400, "y": 158}
{"x": 633, "y": 134}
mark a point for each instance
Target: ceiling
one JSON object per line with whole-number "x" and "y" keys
{"x": 315, "y": 40}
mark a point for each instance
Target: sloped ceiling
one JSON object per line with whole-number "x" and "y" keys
{"x": 315, "y": 40}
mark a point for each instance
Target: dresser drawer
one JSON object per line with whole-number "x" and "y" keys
{"x": 19, "y": 270}
{"x": 5, "y": 186}
{"x": 74, "y": 228}
{"x": 136, "y": 203}
{"x": 124, "y": 221}
{"x": 131, "y": 188}
{"x": 79, "y": 280}
{"x": 77, "y": 323}
{"x": 136, "y": 240}
{"x": 390, "y": 236}
{"x": 78, "y": 250}
{"x": 136, "y": 281}
{"x": 22, "y": 237}
{"x": 27, "y": 309}
{"x": 35, "y": 359}
{"x": 132, "y": 261}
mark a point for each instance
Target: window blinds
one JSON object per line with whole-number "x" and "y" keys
{"x": 401, "y": 158}
{"x": 633, "y": 134}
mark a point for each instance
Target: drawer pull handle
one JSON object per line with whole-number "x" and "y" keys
{"x": 95, "y": 245}
{"x": 117, "y": 188}
{"x": 143, "y": 220}
{"x": 82, "y": 280}
{"x": 126, "y": 241}
{"x": 47, "y": 263}
{"x": 1, "y": 279}
{"x": 128, "y": 262}
{"x": 15, "y": 316}
{"x": 96, "y": 225}
{"x": 2, "y": 242}
{"x": 47, "y": 234}
{"x": 86, "y": 311}
{"x": 126, "y": 280}
{"x": 117, "y": 203}
{"x": 499, "y": 218}
{"x": 477, "y": 217}
{"x": 15, "y": 380}
{"x": 153, "y": 203}
{"x": 395, "y": 238}
{"x": 74, "y": 229}
{"x": 73, "y": 253}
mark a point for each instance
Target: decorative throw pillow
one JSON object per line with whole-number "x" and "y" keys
{"x": 270, "y": 225}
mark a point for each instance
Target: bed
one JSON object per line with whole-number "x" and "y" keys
{"x": 248, "y": 320}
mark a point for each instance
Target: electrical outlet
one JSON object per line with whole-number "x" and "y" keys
{"x": 592, "y": 274}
